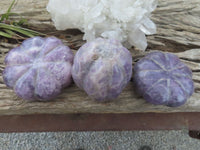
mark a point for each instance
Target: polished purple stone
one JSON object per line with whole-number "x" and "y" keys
{"x": 102, "y": 68}
{"x": 163, "y": 79}
{"x": 39, "y": 68}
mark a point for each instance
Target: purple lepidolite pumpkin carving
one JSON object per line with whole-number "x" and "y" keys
{"x": 39, "y": 68}
{"x": 102, "y": 68}
{"x": 163, "y": 79}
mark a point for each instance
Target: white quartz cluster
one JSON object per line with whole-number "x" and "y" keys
{"x": 124, "y": 20}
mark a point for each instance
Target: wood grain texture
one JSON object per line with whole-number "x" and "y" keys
{"x": 178, "y": 31}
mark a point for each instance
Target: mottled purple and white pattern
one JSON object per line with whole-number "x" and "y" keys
{"x": 102, "y": 68}
{"x": 39, "y": 68}
{"x": 163, "y": 79}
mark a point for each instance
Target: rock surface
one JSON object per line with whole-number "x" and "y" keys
{"x": 39, "y": 68}
{"x": 163, "y": 79}
{"x": 127, "y": 21}
{"x": 102, "y": 68}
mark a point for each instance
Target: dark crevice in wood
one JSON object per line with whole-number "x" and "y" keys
{"x": 196, "y": 70}
{"x": 171, "y": 46}
{"x": 197, "y": 90}
{"x": 191, "y": 60}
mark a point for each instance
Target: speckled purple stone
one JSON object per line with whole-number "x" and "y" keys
{"x": 39, "y": 68}
{"x": 163, "y": 79}
{"x": 102, "y": 68}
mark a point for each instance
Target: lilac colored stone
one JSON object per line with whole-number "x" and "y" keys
{"x": 162, "y": 79}
{"x": 39, "y": 68}
{"x": 102, "y": 68}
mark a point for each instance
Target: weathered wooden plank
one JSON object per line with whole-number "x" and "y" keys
{"x": 178, "y": 30}
{"x": 178, "y": 22}
{"x": 73, "y": 100}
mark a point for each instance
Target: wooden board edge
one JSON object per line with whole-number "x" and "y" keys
{"x": 100, "y": 122}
